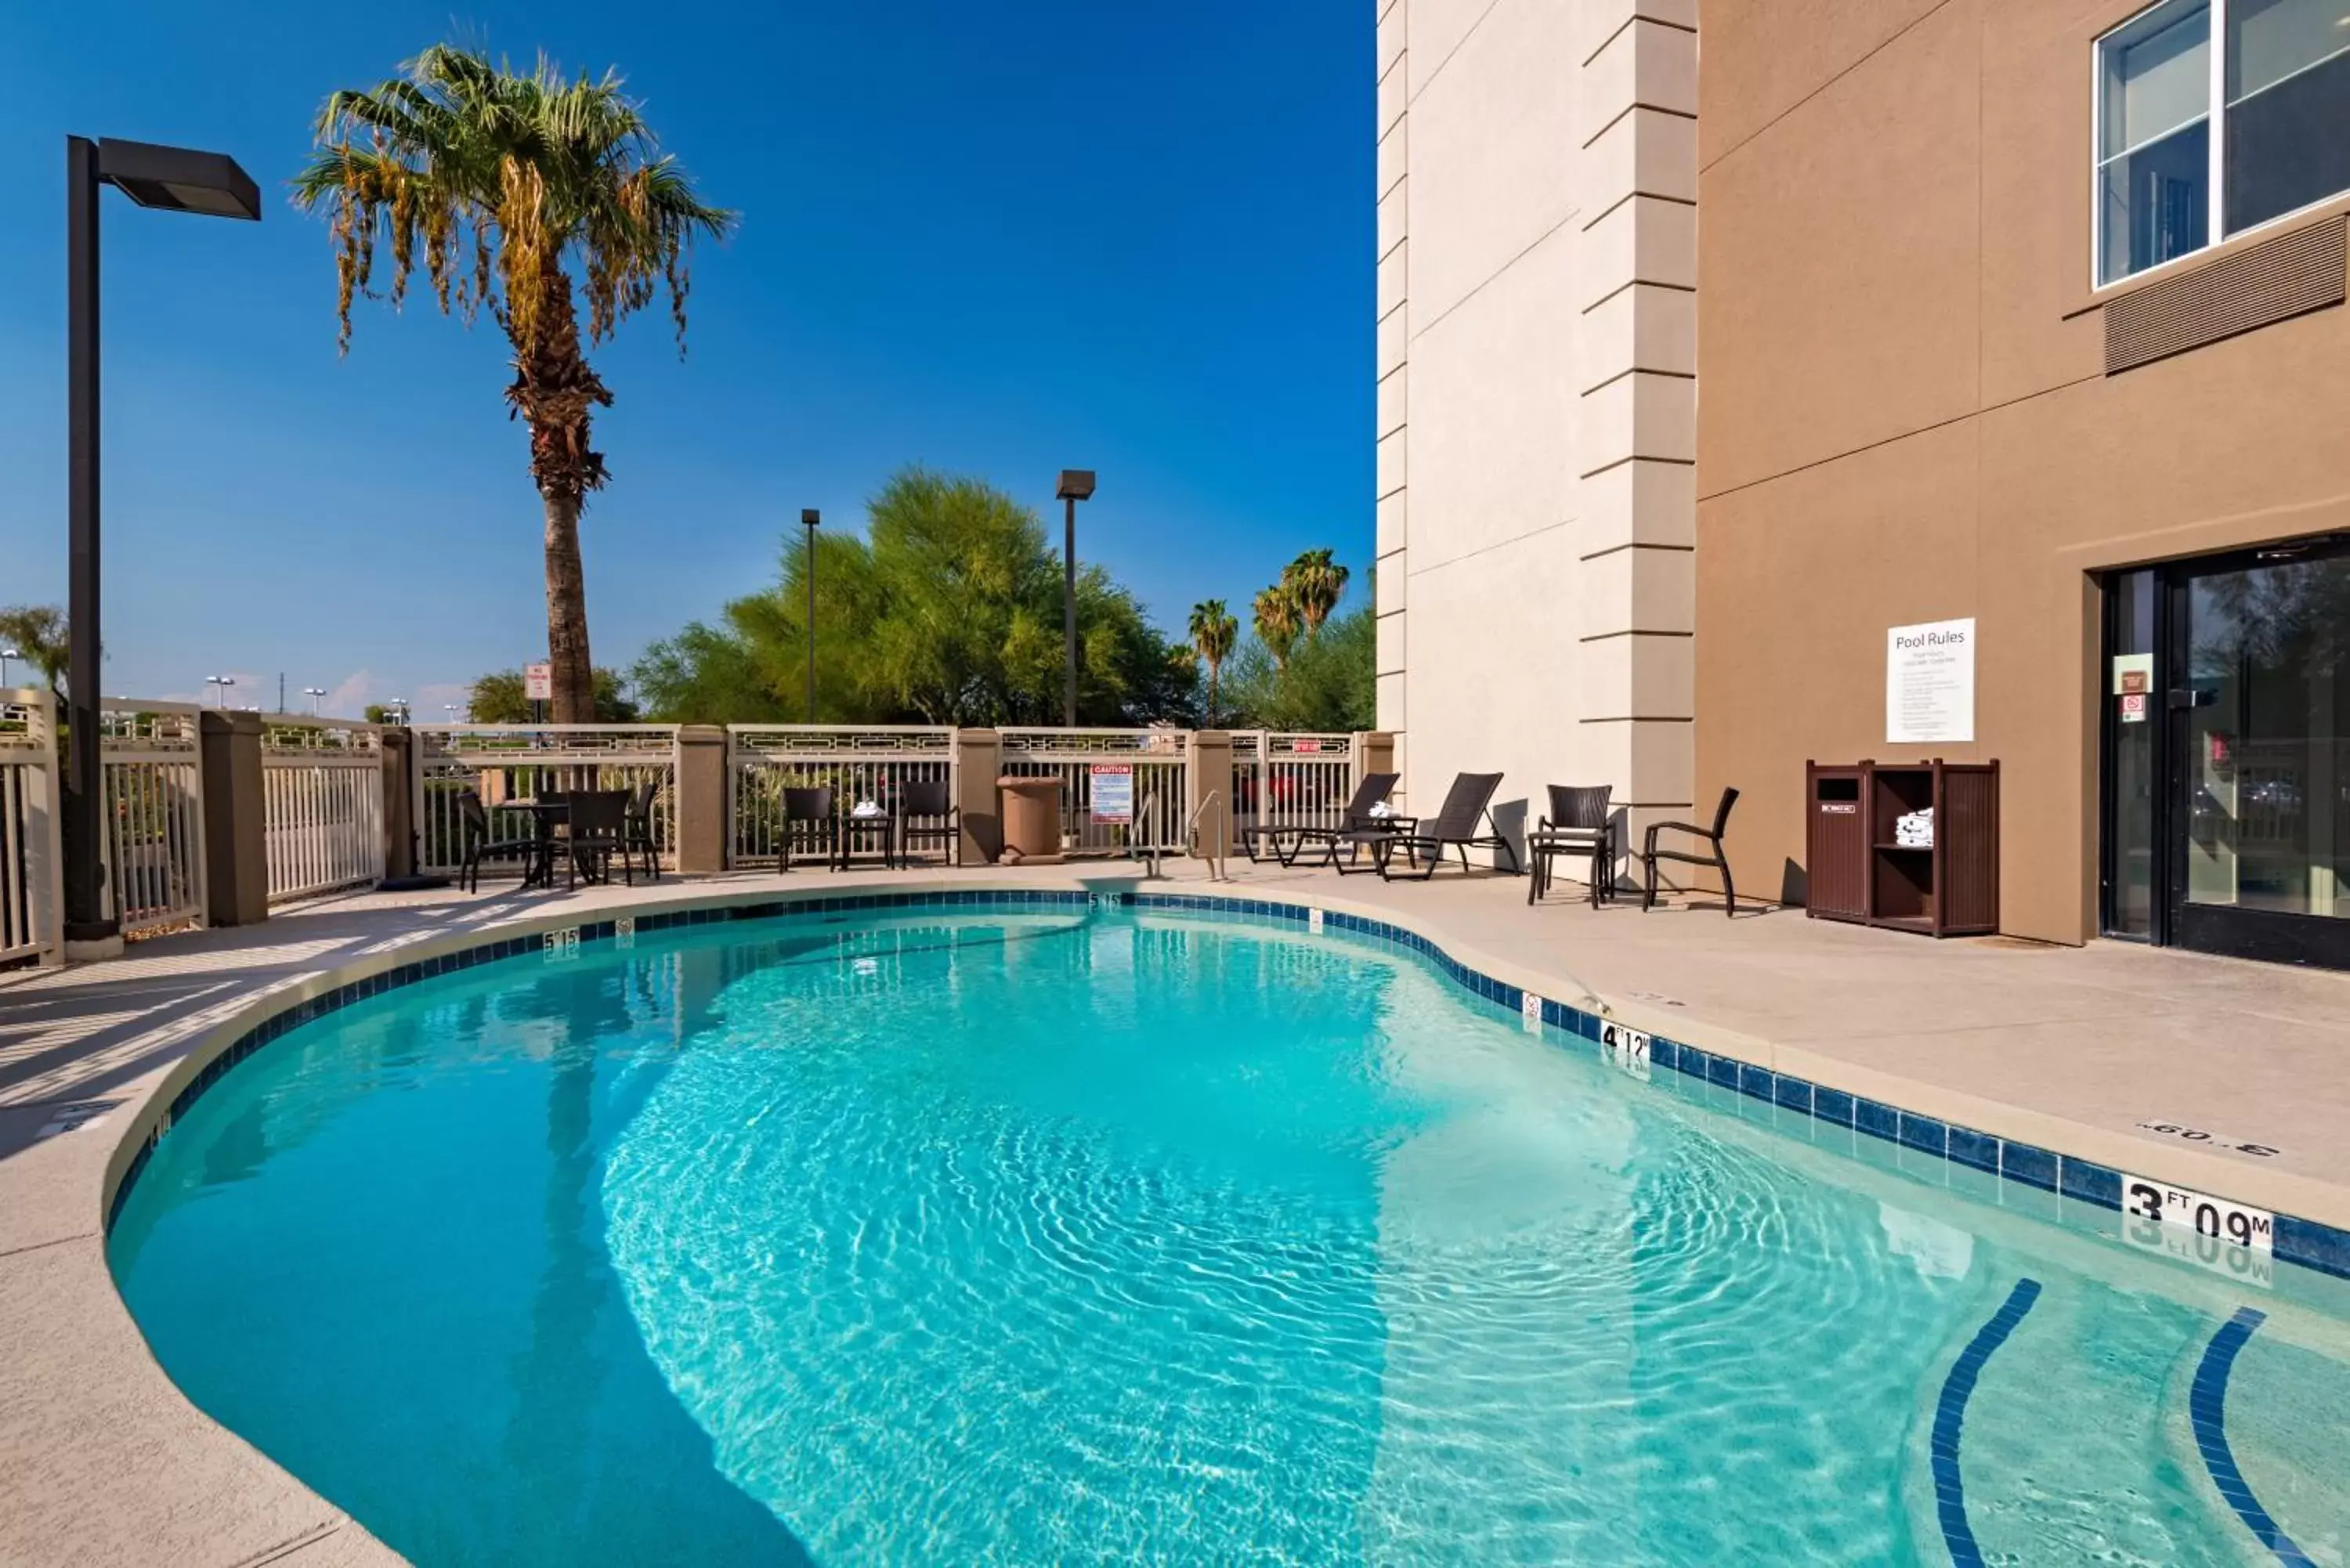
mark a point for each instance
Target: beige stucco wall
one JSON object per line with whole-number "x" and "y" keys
{"x": 1537, "y": 406}
{"x": 1906, "y": 416}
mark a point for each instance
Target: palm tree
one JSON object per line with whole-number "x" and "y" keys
{"x": 1276, "y": 622}
{"x": 1316, "y": 583}
{"x": 1213, "y": 632}
{"x": 523, "y": 176}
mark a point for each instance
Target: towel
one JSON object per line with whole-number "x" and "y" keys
{"x": 866, "y": 808}
{"x": 1915, "y": 830}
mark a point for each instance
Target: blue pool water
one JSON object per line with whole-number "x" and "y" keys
{"x": 1114, "y": 1237}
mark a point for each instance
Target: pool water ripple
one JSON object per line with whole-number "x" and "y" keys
{"x": 980, "y": 1238}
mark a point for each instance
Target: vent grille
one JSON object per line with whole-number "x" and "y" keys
{"x": 2286, "y": 276}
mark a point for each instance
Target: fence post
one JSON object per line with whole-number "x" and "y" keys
{"x": 978, "y": 759}
{"x": 1374, "y": 754}
{"x": 45, "y": 861}
{"x": 702, "y": 800}
{"x": 398, "y": 802}
{"x": 1208, "y": 769}
{"x": 236, "y": 839}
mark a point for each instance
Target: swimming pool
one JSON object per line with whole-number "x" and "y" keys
{"x": 1048, "y": 1235}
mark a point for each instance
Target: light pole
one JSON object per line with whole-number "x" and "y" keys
{"x": 809, "y": 518}
{"x": 315, "y": 694}
{"x": 1076, "y": 484}
{"x": 5, "y": 655}
{"x": 224, "y": 683}
{"x": 398, "y": 708}
{"x": 176, "y": 180}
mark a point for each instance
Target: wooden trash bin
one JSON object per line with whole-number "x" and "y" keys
{"x": 1835, "y": 842}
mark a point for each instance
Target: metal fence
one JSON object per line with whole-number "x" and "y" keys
{"x": 861, "y": 762}
{"x": 322, "y": 805}
{"x": 1160, "y": 786}
{"x": 153, "y": 831}
{"x": 1292, "y": 780}
{"x": 32, "y": 892}
{"x": 502, "y": 762}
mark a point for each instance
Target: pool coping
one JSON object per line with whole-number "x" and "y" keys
{"x": 2029, "y": 1147}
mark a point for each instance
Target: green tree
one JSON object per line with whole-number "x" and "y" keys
{"x": 1277, "y": 622}
{"x": 37, "y": 633}
{"x": 948, "y": 612}
{"x": 1315, "y": 583}
{"x": 525, "y": 176}
{"x": 501, "y": 697}
{"x": 1329, "y": 682}
{"x": 1213, "y": 632}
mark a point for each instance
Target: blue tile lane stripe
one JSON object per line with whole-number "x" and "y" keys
{"x": 2208, "y": 1404}
{"x": 1951, "y": 1417}
{"x": 2302, "y": 1242}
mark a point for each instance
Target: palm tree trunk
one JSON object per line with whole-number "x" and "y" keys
{"x": 567, "y": 613}
{"x": 555, "y": 389}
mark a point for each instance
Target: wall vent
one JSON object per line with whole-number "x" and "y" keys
{"x": 2285, "y": 276}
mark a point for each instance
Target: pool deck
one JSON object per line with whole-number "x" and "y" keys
{"x": 103, "y": 1461}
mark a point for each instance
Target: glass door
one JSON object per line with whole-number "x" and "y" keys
{"x": 2258, "y": 703}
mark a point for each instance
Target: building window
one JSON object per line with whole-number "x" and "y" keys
{"x": 2174, "y": 174}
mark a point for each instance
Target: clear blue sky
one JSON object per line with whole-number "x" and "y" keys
{"x": 996, "y": 239}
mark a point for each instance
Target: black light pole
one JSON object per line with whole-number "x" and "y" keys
{"x": 1076, "y": 484}
{"x": 810, "y": 517}
{"x": 178, "y": 181}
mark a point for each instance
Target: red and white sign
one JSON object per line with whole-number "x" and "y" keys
{"x": 1111, "y": 792}
{"x": 538, "y": 683}
{"x": 2133, "y": 707}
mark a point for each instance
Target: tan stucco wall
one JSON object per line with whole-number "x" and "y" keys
{"x": 1536, "y": 408}
{"x": 1905, "y": 416}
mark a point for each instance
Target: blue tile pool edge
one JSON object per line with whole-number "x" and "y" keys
{"x": 2305, "y": 1243}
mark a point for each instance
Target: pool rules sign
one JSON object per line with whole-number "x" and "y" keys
{"x": 1930, "y": 683}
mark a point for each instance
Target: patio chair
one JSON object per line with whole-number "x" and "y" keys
{"x": 812, "y": 806}
{"x": 600, "y": 831}
{"x": 1710, "y": 837}
{"x": 1578, "y": 824}
{"x": 1366, "y": 796}
{"x": 1465, "y": 806}
{"x": 927, "y": 813}
{"x": 473, "y": 831}
{"x": 637, "y": 831}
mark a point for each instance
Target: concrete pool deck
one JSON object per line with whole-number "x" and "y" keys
{"x": 102, "y": 1460}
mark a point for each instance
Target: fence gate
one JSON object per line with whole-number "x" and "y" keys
{"x": 32, "y": 891}
{"x": 1161, "y": 783}
{"x": 322, "y": 797}
{"x": 153, "y": 833}
{"x": 500, "y": 762}
{"x": 861, "y": 762}
{"x": 1292, "y": 780}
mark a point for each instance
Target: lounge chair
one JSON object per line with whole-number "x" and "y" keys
{"x": 1465, "y": 806}
{"x": 1578, "y": 824}
{"x": 474, "y": 829}
{"x": 1373, "y": 791}
{"x": 927, "y": 814}
{"x": 1711, "y": 836}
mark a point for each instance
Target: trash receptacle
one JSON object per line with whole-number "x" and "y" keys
{"x": 1032, "y": 819}
{"x": 1835, "y": 842}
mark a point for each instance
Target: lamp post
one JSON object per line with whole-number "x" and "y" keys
{"x": 224, "y": 683}
{"x": 398, "y": 708}
{"x": 315, "y": 694}
{"x": 809, "y": 518}
{"x": 1076, "y": 484}
{"x": 175, "y": 180}
{"x": 5, "y": 655}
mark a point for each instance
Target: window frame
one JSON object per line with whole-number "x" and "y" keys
{"x": 2215, "y": 117}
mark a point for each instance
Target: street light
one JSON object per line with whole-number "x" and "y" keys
{"x": 5, "y": 655}
{"x": 1076, "y": 484}
{"x": 398, "y": 708}
{"x": 315, "y": 694}
{"x": 176, "y": 180}
{"x": 809, "y": 518}
{"x": 224, "y": 683}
